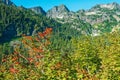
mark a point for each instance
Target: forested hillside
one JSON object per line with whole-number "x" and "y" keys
{"x": 16, "y": 21}
{"x": 59, "y": 44}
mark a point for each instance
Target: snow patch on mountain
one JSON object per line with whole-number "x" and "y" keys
{"x": 108, "y": 6}
{"x": 90, "y": 13}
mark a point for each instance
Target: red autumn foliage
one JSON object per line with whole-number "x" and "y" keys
{"x": 23, "y": 41}
{"x": 37, "y": 39}
{"x": 30, "y": 60}
{"x": 13, "y": 70}
{"x": 38, "y": 50}
{"x": 15, "y": 52}
{"x": 17, "y": 63}
{"x": 41, "y": 50}
{"x": 56, "y": 66}
{"x": 41, "y": 35}
{"x": 29, "y": 38}
{"x": 39, "y": 56}
{"x": 15, "y": 58}
{"x": 46, "y": 32}
{"x": 4, "y": 60}
{"x": 36, "y": 63}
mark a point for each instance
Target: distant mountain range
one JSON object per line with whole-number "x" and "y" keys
{"x": 102, "y": 12}
{"x": 103, "y": 17}
{"x": 15, "y": 21}
{"x": 7, "y": 2}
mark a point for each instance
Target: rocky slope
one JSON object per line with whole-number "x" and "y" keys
{"x": 100, "y": 13}
{"x": 58, "y": 12}
{"x": 96, "y": 14}
{"x": 102, "y": 17}
{"x": 7, "y": 2}
{"x": 16, "y": 21}
{"x": 38, "y": 10}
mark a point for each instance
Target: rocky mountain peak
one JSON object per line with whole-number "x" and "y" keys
{"x": 62, "y": 7}
{"x": 38, "y": 10}
{"x": 7, "y": 2}
{"x": 58, "y": 11}
{"x": 110, "y": 5}
{"x": 116, "y": 5}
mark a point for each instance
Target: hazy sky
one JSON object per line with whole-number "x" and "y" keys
{"x": 73, "y": 5}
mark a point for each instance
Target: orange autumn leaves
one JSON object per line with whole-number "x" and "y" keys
{"x": 56, "y": 66}
{"x": 45, "y": 33}
{"x": 13, "y": 70}
{"x": 36, "y": 45}
{"x": 38, "y": 37}
{"x": 32, "y": 51}
{"x": 38, "y": 50}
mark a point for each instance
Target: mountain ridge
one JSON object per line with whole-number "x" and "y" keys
{"x": 58, "y": 11}
{"x": 7, "y": 2}
{"x": 112, "y": 3}
{"x": 38, "y": 10}
{"x": 85, "y": 22}
{"x": 99, "y": 16}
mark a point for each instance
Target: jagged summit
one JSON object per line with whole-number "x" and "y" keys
{"x": 58, "y": 11}
{"x": 60, "y": 8}
{"x": 38, "y": 10}
{"x": 7, "y": 2}
{"x": 109, "y": 6}
{"x": 63, "y": 7}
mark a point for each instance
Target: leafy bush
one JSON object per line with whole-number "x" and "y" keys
{"x": 87, "y": 58}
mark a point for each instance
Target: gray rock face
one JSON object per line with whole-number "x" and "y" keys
{"x": 102, "y": 16}
{"x": 96, "y": 14}
{"x": 109, "y": 6}
{"x": 7, "y": 2}
{"x": 100, "y": 13}
{"x": 58, "y": 12}
{"x": 38, "y": 10}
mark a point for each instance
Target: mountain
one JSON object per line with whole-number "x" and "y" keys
{"x": 7, "y": 2}
{"x": 58, "y": 12}
{"x": 101, "y": 13}
{"x": 15, "y": 21}
{"x": 96, "y": 14}
{"x": 102, "y": 17}
{"x": 63, "y": 15}
{"x": 109, "y": 6}
{"x": 38, "y": 10}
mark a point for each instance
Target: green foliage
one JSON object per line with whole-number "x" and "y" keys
{"x": 99, "y": 55}
{"x": 86, "y": 54}
{"x": 15, "y": 21}
{"x": 85, "y": 58}
{"x": 64, "y": 55}
{"x": 106, "y": 26}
